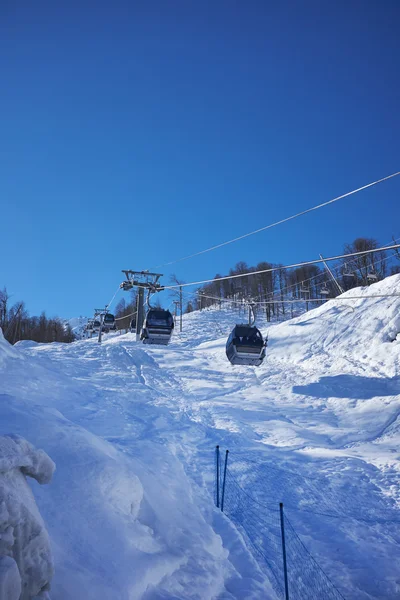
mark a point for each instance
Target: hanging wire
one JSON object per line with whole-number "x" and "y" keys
{"x": 299, "y": 214}
{"x": 113, "y": 298}
{"x": 283, "y": 267}
{"x": 274, "y": 298}
{"x": 335, "y": 269}
{"x": 126, "y": 316}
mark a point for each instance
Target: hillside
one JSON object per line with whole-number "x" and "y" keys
{"x": 132, "y": 430}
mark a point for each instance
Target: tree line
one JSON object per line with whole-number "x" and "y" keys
{"x": 302, "y": 283}
{"x": 125, "y": 311}
{"x": 17, "y": 325}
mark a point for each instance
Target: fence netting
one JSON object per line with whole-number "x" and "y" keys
{"x": 261, "y": 525}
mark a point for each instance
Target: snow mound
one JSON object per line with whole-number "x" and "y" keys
{"x": 362, "y": 327}
{"x": 23, "y": 536}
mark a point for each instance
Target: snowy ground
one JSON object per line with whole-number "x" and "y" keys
{"x": 133, "y": 428}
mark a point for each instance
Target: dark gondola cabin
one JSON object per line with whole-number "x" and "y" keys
{"x": 245, "y": 346}
{"x": 157, "y": 327}
{"x": 109, "y": 322}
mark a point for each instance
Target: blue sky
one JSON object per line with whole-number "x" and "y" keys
{"x": 135, "y": 133}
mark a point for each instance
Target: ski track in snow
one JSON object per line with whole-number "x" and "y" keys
{"x": 316, "y": 426}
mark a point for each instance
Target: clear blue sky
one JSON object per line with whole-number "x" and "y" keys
{"x": 133, "y": 133}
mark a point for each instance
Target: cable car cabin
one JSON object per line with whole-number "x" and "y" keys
{"x": 372, "y": 276}
{"x": 245, "y": 346}
{"x": 109, "y": 322}
{"x": 96, "y": 325}
{"x": 157, "y": 327}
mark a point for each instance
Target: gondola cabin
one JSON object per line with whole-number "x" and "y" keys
{"x": 96, "y": 325}
{"x": 109, "y": 322}
{"x": 157, "y": 327}
{"x": 246, "y": 346}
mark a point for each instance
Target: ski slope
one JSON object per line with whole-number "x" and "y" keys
{"x": 132, "y": 430}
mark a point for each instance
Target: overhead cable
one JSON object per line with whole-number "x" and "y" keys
{"x": 113, "y": 298}
{"x": 335, "y": 269}
{"x": 296, "y": 300}
{"x": 126, "y": 316}
{"x": 299, "y": 214}
{"x": 283, "y": 267}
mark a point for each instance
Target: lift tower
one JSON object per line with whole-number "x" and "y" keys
{"x": 143, "y": 280}
{"x": 100, "y": 313}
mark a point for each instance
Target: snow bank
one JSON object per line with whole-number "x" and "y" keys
{"x": 6, "y": 351}
{"x": 23, "y": 536}
{"x": 360, "y": 327}
{"x": 125, "y": 520}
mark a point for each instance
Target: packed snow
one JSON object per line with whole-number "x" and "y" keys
{"x": 132, "y": 430}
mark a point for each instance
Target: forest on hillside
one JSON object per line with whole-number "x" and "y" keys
{"x": 17, "y": 325}
{"x": 279, "y": 286}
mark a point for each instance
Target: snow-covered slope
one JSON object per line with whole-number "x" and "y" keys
{"x": 77, "y": 325}
{"x": 132, "y": 430}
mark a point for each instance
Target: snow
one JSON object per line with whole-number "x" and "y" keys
{"x": 17, "y": 453}
{"x": 23, "y": 536}
{"x": 133, "y": 428}
{"x": 10, "y": 579}
{"x": 77, "y": 325}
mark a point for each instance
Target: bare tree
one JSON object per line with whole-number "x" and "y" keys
{"x": 361, "y": 266}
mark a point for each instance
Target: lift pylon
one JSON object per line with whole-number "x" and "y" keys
{"x": 142, "y": 280}
{"x": 100, "y": 313}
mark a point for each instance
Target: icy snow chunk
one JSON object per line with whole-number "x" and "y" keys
{"x": 16, "y": 452}
{"x": 23, "y": 536}
{"x": 10, "y": 580}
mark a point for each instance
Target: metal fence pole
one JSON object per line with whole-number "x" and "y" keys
{"x": 224, "y": 481}
{"x": 284, "y": 551}
{"x": 217, "y": 458}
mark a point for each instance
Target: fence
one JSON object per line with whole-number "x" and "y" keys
{"x": 293, "y": 572}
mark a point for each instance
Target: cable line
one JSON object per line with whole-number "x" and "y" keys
{"x": 304, "y": 212}
{"x": 297, "y": 300}
{"x": 276, "y": 297}
{"x": 126, "y": 316}
{"x": 334, "y": 269}
{"x": 283, "y": 267}
{"x": 113, "y": 298}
